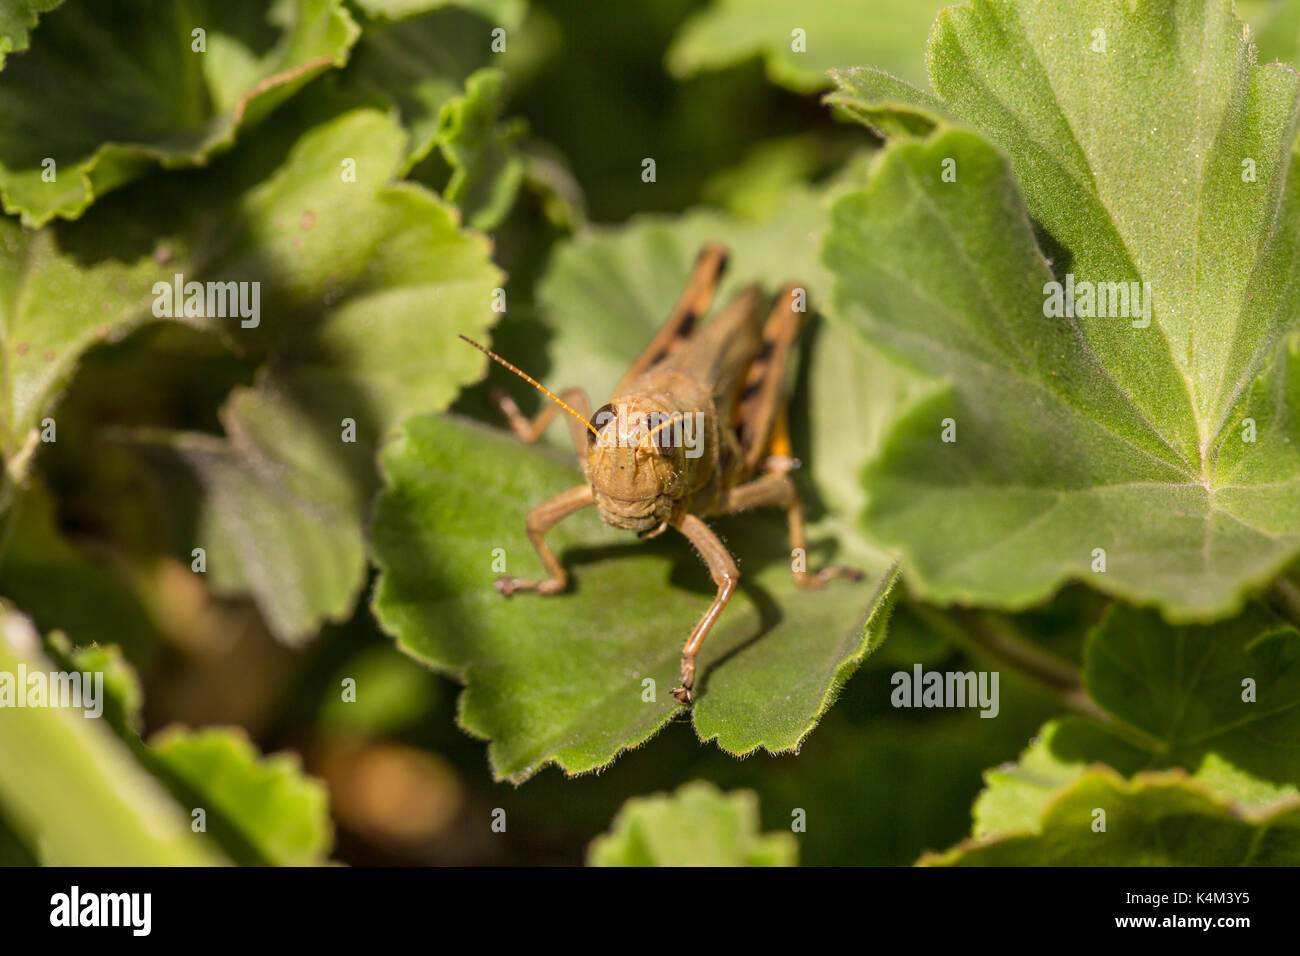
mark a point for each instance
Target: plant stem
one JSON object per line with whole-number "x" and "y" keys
{"x": 981, "y": 632}
{"x": 974, "y": 631}
{"x": 1283, "y": 597}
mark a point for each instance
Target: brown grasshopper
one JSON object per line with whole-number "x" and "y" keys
{"x": 643, "y": 474}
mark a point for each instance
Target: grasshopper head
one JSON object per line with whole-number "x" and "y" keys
{"x": 636, "y": 463}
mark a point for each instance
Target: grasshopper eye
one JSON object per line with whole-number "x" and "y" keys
{"x": 661, "y": 434}
{"x": 604, "y": 415}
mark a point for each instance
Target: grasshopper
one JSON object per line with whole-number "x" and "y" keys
{"x": 644, "y": 475}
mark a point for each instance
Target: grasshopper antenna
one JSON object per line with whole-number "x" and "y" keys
{"x": 533, "y": 382}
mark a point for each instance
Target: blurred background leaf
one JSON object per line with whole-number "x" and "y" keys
{"x": 287, "y": 487}
{"x": 697, "y": 825}
{"x": 800, "y": 42}
{"x": 72, "y": 791}
{"x": 282, "y": 814}
{"x": 16, "y": 20}
{"x": 106, "y": 91}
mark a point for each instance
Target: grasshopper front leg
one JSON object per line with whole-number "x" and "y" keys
{"x": 540, "y": 520}
{"x": 722, "y": 567}
{"x": 778, "y": 491}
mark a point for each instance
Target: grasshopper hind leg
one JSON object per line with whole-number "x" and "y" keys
{"x": 798, "y": 544}
{"x": 776, "y": 490}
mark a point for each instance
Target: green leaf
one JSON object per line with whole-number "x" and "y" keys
{"x": 1184, "y": 686}
{"x": 1157, "y": 819}
{"x": 757, "y": 185}
{"x": 123, "y": 697}
{"x": 1277, "y": 29}
{"x": 296, "y": 228}
{"x": 1246, "y": 791}
{"x": 1074, "y": 436}
{"x": 367, "y": 274}
{"x": 432, "y": 69}
{"x": 420, "y": 64}
{"x": 73, "y": 790}
{"x": 129, "y": 68}
{"x": 1181, "y": 694}
{"x": 283, "y": 815}
{"x": 890, "y": 106}
{"x": 13, "y": 852}
{"x": 54, "y": 305}
{"x": 697, "y": 825}
{"x": 1017, "y": 794}
{"x": 560, "y": 679}
{"x": 40, "y": 567}
{"x": 260, "y": 811}
{"x": 393, "y": 693}
{"x": 482, "y": 151}
{"x": 837, "y": 34}
{"x": 16, "y": 21}
{"x": 507, "y": 13}
{"x": 280, "y": 515}
{"x": 1043, "y": 810}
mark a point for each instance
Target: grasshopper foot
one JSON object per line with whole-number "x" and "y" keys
{"x": 504, "y": 402}
{"x": 508, "y": 586}
{"x": 683, "y": 693}
{"x": 815, "y": 582}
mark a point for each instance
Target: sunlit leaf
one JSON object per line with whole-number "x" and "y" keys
{"x": 280, "y": 813}
{"x": 482, "y": 151}
{"x": 1159, "y": 461}
{"x": 1045, "y": 811}
{"x": 16, "y": 22}
{"x": 697, "y": 825}
{"x": 71, "y": 788}
{"x": 835, "y": 34}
